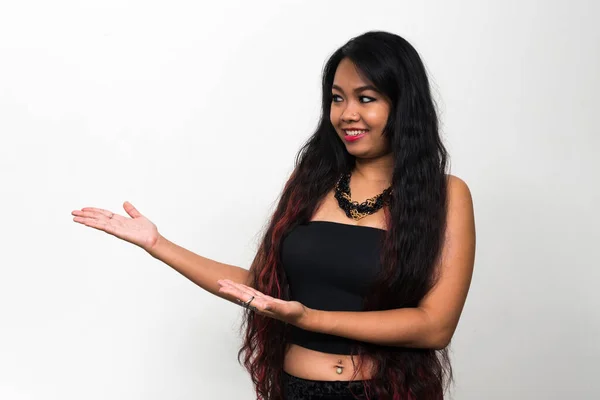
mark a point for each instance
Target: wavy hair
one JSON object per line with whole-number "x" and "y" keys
{"x": 415, "y": 217}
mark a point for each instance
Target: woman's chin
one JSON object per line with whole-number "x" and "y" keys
{"x": 358, "y": 152}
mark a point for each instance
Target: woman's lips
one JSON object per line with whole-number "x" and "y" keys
{"x": 353, "y": 138}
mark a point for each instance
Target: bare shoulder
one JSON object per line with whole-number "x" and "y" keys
{"x": 460, "y": 206}
{"x": 458, "y": 190}
{"x": 456, "y": 183}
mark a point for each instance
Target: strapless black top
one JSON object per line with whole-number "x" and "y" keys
{"x": 330, "y": 266}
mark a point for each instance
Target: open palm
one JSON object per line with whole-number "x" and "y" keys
{"x": 138, "y": 229}
{"x": 292, "y": 312}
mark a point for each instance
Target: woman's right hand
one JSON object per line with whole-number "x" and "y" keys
{"x": 138, "y": 229}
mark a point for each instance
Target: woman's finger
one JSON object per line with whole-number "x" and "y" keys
{"x": 243, "y": 296}
{"x": 245, "y": 288}
{"x": 97, "y": 211}
{"x": 253, "y": 291}
{"x": 246, "y": 295}
{"x": 233, "y": 290}
{"x": 99, "y": 224}
{"x": 131, "y": 210}
{"x": 88, "y": 213}
{"x": 266, "y": 304}
{"x": 94, "y": 209}
{"x": 247, "y": 291}
{"x": 266, "y": 297}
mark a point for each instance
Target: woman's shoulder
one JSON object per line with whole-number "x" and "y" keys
{"x": 458, "y": 191}
{"x": 456, "y": 183}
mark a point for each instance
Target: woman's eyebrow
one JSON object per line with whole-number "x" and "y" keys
{"x": 358, "y": 89}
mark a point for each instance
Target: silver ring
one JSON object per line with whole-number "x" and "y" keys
{"x": 247, "y": 303}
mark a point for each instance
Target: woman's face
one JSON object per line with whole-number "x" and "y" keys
{"x": 357, "y": 105}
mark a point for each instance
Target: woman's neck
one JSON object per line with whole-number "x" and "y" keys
{"x": 375, "y": 170}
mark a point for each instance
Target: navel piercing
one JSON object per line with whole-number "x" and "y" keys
{"x": 339, "y": 368}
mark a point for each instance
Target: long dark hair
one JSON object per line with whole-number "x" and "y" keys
{"x": 415, "y": 219}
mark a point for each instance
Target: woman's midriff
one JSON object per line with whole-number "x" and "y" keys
{"x": 314, "y": 365}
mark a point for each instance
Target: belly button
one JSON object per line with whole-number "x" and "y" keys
{"x": 339, "y": 368}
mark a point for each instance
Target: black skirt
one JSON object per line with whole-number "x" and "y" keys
{"x": 295, "y": 388}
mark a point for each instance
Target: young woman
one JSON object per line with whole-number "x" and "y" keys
{"x": 363, "y": 272}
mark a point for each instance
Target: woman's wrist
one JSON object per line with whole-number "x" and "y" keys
{"x": 156, "y": 248}
{"x": 311, "y": 320}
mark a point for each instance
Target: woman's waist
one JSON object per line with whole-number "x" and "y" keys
{"x": 320, "y": 366}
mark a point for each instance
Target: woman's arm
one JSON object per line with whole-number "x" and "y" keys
{"x": 406, "y": 327}
{"x": 142, "y": 232}
{"x": 202, "y": 271}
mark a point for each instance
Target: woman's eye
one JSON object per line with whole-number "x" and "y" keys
{"x": 335, "y": 97}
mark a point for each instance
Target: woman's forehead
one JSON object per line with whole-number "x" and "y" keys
{"x": 349, "y": 79}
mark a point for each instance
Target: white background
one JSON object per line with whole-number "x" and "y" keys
{"x": 194, "y": 113}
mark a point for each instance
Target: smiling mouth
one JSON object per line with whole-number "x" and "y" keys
{"x": 355, "y": 132}
{"x": 353, "y": 135}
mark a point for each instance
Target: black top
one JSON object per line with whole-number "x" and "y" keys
{"x": 330, "y": 267}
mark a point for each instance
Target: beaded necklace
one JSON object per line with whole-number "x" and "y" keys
{"x": 353, "y": 209}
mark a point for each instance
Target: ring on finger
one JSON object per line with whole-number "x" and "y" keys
{"x": 247, "y": 303}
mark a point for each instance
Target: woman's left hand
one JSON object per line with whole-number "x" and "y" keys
{"x": 291, "y": 312}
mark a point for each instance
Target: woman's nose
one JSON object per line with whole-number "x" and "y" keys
{"x": 350, "y": 116}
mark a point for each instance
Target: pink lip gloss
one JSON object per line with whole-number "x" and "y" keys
{"x": 350, "y": 138}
